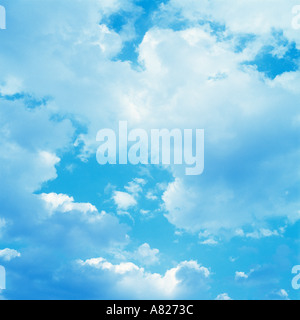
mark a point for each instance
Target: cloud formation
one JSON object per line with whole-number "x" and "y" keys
{"x": 9, "y": 254}
{"x": 66, "y": 73}
{"x": 134, "y": 282}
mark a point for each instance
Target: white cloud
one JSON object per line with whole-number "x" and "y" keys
{"x": 223, "y": 296}
{"x": 194, "y": 209}
{"x": 134, "y": 281}
{"x": 84, "y": 225}
{"x": 144, "y": 212}
{"x": 135, "y": 187}
{"x": 282, "y": 293}
{"x": 167, "y": 88}
{"x": 11, "y": 86}
{"x": 241, "y": 275}
{"x": 209, "y": 242}
{"x": 248, "y": 16}
{"x": 191, "y": 79}
{"x": 64, "y": 203}
{"x": 9, "y": 254}
{"x": 101, "y": 263}
{"x": 198, "y": 60}
{"x": 151, "y": 196}
{"x": 144, "y": 255}
{"x": 124, "y": 200}
{"x": 147, "y": 256}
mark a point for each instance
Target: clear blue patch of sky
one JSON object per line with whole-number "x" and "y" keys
{"x": 272, "y": 64}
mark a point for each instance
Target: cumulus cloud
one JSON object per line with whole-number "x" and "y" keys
{"x": 246, "y": 100}
{"x": 38, "y": 116}
{"x": 136, "y": 282}
{"x": 195, "y": 77}
{"x": 250, "y": 16}
{"x": 201, "y": 64}
{"x": 124, "y": 200}
{"x": 64, "y": 203}
{"x": 145, "y": 255}
{"x": 9, "y": 254}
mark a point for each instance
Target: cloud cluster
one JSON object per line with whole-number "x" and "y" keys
{"x": 246, "y": 17}
{"x": 133, "y": 282}
{"x": 129, "y": 199}
{"x": 60, "y": 73}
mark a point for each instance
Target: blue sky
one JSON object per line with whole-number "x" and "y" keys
{"x": 72, "y": 229}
